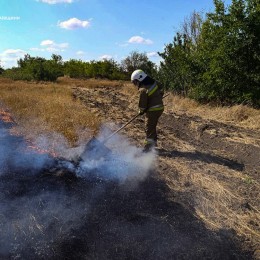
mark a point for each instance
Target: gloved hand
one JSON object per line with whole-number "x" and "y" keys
{"x": 162, "y": 92}
{"x": 141, "y": 112}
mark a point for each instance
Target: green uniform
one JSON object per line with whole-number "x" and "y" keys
{"x": 151, "y": 103}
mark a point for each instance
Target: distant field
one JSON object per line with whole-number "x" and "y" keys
{"x": 50, "y": 107}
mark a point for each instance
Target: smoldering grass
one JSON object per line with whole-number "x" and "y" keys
{"x": 125, "y": 162}
{"x": 37, "y": 222}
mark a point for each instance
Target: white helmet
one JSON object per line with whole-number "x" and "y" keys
{"x": 138, "y": 75}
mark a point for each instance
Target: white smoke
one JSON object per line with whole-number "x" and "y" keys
{"x": 125, "y": 162}
{"x": 57, "y": 145}
{"x": 14, "y": 155}
{"x": 38, "y": 209}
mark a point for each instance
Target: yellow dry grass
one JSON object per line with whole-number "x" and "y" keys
{"x": 239, "y": 115}
{"x": 214, "y": 200}
{"x": 40, "y": 108}
{"x": 88, "y": 83}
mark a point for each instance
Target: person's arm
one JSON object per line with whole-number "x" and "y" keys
{"x": 143, "y": 100}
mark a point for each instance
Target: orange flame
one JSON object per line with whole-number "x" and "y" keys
{"x": 6, "y": 117}
{"x": 42, "y": 151}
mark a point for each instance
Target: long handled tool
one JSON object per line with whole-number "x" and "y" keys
{"x": 96, "y": 149}
{"x": 130, "y": 121}
{"x": 122, "y": 127}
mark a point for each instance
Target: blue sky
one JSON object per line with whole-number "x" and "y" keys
{"x": 91, "y": 29}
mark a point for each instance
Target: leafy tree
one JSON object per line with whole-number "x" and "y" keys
{"x": 191, "y": 28}
{"x": 138, "y": 60}
{"x": 75, "y": 68}
{"x": 54, "y": 67}
{"x": 1, "y": 69}
{"x": 229, "y": 54}
{"x": 175, "y": 66}
{"x": 38, "y": 68}
{"x": 218, "y": 58}
{"x": 178, "y": 70}
{"x": 110, "y": 69}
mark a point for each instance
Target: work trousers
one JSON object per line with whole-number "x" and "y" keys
{"x": 151, "y": 121}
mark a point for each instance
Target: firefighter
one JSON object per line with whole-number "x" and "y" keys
{"x": 150, "y": 104}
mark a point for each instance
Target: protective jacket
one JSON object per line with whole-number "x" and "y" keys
{"x": 150, "y": 98}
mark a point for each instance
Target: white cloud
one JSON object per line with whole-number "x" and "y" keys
{"x": 47, "y": 42}
{"x": 9, "y": 57}
{"x": 139, "y": 40}
{"x": 52, "y": 2}
{"x": 51, "y": 46}
{"x": 80, "y": 53}
{"x": 52, "y": 49}
{"x": 37, "y": 49}
{"x": 63, "y": 45}
{"x": 74, "y": 23}
{"x": 105, "y": 57}
{"x": 13, "y": 52}
{"x": 152, "y": 54}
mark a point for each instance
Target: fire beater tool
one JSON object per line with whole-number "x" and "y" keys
{"x": 96, "y": 149}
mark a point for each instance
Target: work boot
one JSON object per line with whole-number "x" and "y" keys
{"x": 148, "y": 148}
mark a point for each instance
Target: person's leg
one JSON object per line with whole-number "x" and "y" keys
{"x": 150, "y": 128}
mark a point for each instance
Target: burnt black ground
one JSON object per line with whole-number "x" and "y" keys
{"x": 49, "y": 213}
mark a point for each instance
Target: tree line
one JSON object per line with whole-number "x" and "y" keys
{"x": 212, "y": 58}
{"x": 41, "y": 69}
{"x": 217, "y": 57}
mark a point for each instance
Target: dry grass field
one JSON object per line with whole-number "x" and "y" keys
{"x": 239, "y": 115}
{"x": 43, "y": 108}
{"x": 208, "y": 157}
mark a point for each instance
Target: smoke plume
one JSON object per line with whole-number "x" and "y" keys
{"x": 119, "y": 160}
{"x": 42, "y": 202}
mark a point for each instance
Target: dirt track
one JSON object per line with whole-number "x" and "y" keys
{"x": 210, "y": 169}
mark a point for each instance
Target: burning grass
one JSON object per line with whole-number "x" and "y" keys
{"x": 48, "y": 212}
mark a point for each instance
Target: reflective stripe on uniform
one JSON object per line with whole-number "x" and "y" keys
{"x": 149, "y": 141}
{"x": 152, "y": 89}
{"x": 156, "y": 108}
{"x": 142, "y": 110}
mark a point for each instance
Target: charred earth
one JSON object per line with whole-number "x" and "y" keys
{"x": 50, "y": 210}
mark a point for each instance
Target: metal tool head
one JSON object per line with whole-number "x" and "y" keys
{"x": 94, "y": 150}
